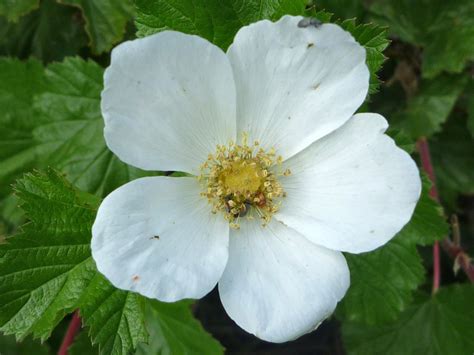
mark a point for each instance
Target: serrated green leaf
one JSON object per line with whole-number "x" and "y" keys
{"x": 52, "y": 118}
{"x": 437, "y": 325}
{"x": 82, "y": 345}
{"x": 218, "y": 21}
{"x": 105, "y": 20}
{"x": 443, "y": 28}
{"x": 374, "y": 39}
{"x": 14, "y": 9}
{"x": 115, "y": 318}
{"x": 431, "y": 106}
{"x": 382, "y": 282}
{"x": 174, "y": 331}
{"x": 44, "y": 270}
{"x": 49, "y": 33}
{"x": 47, "y": 271}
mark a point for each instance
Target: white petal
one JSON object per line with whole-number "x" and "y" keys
{"x": 169, "y": 99}
{"x": 156, "y": 236}
{"x": 295, "y": 85}
{"x": 352, "y": 190}
{"x": 278, "y": 285}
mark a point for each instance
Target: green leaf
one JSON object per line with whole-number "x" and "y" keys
{"x": 44, "y": 270}
{"x": 402, "y": 140}
{"x": 16, "y": 100}
{"x": 52, "y": 118}
{"x": 105, "y": 20}
{"x": 116, "y": 318}
{"x": 382, "y": 282}
{"x": 430, "y": 108}
{"x": 216, "y": 20}
{"x": 47, "y": 271}
{"x": 443, "y": 28}
{"x": 49, "y": 33}
{"x": 173, "y": 330}
{"x": 72, "y": 133}
{"x": 437, "y": 325}
{"x": 453, "y": 160}
{"x": 428, "y": 223}
{"x": 470, "y": 108}
{"x": 374, "y": 39}
{"x": 14, "y": 9}
{"x": 82, "y": 345}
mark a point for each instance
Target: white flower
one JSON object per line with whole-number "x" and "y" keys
{"x": 268, "y": 222}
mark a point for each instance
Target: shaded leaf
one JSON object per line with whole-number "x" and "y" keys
{"x": 428, "y": 223}
{"x": 9, "y": 346}
{"x": 437, "y": 325}
{"x": 382, "y": 282}
{"x": 49, "y": 33}
{"x": 173, "y": 330}
{"x": 453, "y": 159}
{"x": 105, "y": 20}
{"x": 14, "y": 9}
{"x": 443, "y": 28}
{"x": 82, "y": 345}
{"x": 431, "y": 106}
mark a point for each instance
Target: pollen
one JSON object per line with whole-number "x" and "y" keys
{"x": 242, "y": 181}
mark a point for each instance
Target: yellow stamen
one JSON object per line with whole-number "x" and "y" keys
{"x": 241, "y": 180}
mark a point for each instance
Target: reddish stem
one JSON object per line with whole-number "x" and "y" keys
{"x": 461, "y": 258}
{"x": 71, "y": 332}
{"x": 424, "y": 150}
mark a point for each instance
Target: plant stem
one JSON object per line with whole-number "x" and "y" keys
{"x": 461, "y": 258}
{"x": 71, "y": 332}
{"x": 424, "y": 150}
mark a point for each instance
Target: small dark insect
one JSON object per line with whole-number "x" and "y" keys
{"x": 155, "y": 237}
{"x": 308, "y": 21}
{"x": 244, "y": 210}
{"x": 227, "y": 206}
{"x": 135, "y": 278}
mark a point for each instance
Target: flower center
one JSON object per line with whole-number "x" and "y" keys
{"x": 242, "y": 176}
{"x": 241, "y": 180}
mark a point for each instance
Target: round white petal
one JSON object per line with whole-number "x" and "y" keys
{"x": 295, "y": 85}
{"x": 168, "y": 100}
{"x": 278, "y": 285}
{"x": 353, "y": 190}
{"x": 156, "y": 236}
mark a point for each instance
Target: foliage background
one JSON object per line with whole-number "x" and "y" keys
{"x": 52, "y": 59}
